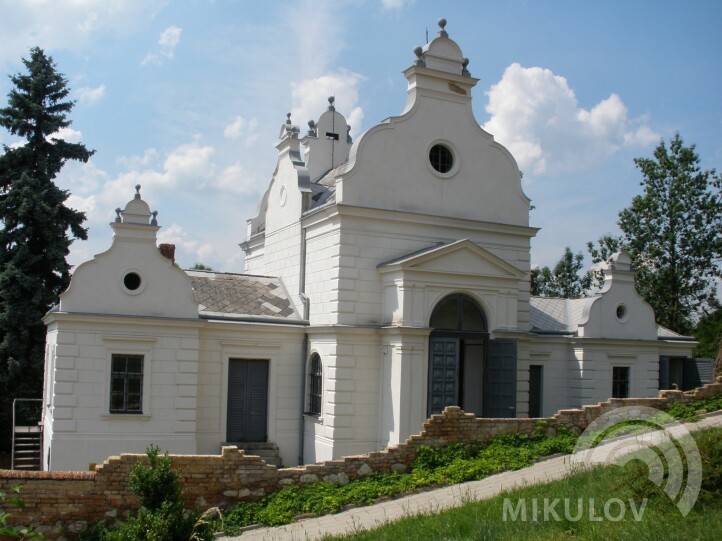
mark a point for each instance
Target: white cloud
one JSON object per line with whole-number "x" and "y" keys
{"x": 187, "y": 248}
{"x": 67, "y": 24}
{"x": 537, "y": 116}
{"x": 90, "y": 96}
{"x": 310, "y": 98}
{"x": 136, "y": 162}
{"x": 235, "y": 179}
{"x": 396, "y": 5}
{"x": 168, "y": 41}
{"x": 242, "y": 128}
{"x": 68, "y": 135}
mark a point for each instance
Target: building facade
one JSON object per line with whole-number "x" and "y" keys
{"x": 386, "y": 278}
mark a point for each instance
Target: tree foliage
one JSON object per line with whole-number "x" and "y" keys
{"x": 565, "y": 280}
{"x": 37, "y": 227}
{"x": 673, "y": 233}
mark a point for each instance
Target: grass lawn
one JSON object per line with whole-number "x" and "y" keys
{"x": 628, "y": 486}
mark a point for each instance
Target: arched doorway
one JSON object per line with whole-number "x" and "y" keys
{"x": 457, "y": 353}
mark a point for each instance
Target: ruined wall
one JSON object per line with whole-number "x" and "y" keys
{"x": 61, "y": 504}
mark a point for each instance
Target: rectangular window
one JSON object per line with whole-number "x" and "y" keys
{"x": 620, "y": 382}
{"x": 332, "y": 136}
{"x": 126, "y": 384}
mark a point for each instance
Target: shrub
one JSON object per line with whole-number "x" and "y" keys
{"x": 156, "y": 483}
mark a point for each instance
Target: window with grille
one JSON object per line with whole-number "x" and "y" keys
{"x": 315, "y": 382}
{"x": 441, "y": 158}
{"x": 620, "y": 382}
{"x": 126, "y": 384}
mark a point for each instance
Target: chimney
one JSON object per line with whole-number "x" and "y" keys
{"x": 167, "y": 251}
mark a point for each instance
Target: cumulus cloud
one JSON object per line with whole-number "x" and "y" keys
{"x": 537, "y": 116}
{"x": 192, "y": 249}
{"x": 69, "y": 135}
{"x": 168, "y": 41}
{"x": 310, "y": 98}
{"x": 243, "y": 129}
{"x": 236, "y": 179}
{"x": 149, "y": 156}
{"x": 90, "y": 96}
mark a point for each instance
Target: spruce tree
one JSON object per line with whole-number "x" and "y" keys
{"x": 36, "y": 227}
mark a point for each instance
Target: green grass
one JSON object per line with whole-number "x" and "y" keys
{"x": 661, "y": 520}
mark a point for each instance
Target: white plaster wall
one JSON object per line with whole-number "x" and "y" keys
{"x": 165, "y": 290}
{"x": 389, "y": 167}
{"x": 281, "y": 346}
{"x": 82, "y": 431}
{"x": 369, "y": 240}
{"x": 349, "y": 422}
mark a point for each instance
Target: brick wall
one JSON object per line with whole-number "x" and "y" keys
{"x": 62, "y": 504}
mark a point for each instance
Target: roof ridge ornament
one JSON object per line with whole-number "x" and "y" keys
{"x": 442, "y": 24}
{"x": 464, "y": 71}
{"x": 419, "y": 52}
{"x": 331, "y": 106}
{"x": 137, "y": 191}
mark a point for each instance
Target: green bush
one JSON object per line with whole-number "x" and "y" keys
{"x": 162, "y": 518}
{"x": 157, "y": 482}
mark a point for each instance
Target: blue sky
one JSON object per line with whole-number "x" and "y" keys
{"x": 186, "y": 98}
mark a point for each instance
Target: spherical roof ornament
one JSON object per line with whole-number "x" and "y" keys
{"x": 442, "y": 25}
{"x": 464, "y": 71}
{"x": 331, "y": 107}
{"x": 137, "y": 191}
{"x": 419, "y": 52}
{"x": 288, "y": 118}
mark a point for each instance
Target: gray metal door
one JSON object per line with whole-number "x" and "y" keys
{"x": 500, "y": 379}
{"x": 247, "y": 400}
{"x": 443, "y": 374}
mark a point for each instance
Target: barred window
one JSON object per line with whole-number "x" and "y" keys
{"x": 315, "y": 385}
{"x": 126, "y": 384}
{"x": 620, "y": 382}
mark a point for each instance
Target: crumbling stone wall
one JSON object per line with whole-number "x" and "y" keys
{"x": 62, "y": 504}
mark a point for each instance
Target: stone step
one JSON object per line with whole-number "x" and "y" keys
{"x": 267, "y": 450}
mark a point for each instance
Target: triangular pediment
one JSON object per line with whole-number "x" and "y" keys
{"x": 460, "y": 257}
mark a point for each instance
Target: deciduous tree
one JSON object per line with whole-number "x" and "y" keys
{"x": 673, "y": 232}
{"x": 566, "y": 279}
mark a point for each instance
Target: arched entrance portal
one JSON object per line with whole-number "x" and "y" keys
{"x": 457, "y": 351}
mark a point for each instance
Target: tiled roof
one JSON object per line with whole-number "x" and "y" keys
{"x": 241, "y": 296}
{"x": 562, "y": 316}
{"x": 552, "y": 315}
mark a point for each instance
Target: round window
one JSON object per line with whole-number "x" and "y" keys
{"x": 441, "y": 158}
{"x": 622, "y": 313}
{"x": 131, "y": 281}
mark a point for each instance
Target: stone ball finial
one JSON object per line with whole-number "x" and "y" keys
{"x": 442, "y": 24}
{"x": 464, "y": 66}
{"x": 288, "y": 118}
{"x": 418, "y": 51}
{"x": 311, "y": 124}
{"x": 331, "y": 99}
{"x": 137, "y": 191}
{"x": 154, "y": 221}
{"x": 118, "y": 212}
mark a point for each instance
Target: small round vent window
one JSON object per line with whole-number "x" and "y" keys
{"x": 622, "y": 313}
{"x": 441, "y": 158}
{"x": 132, "y": 281}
